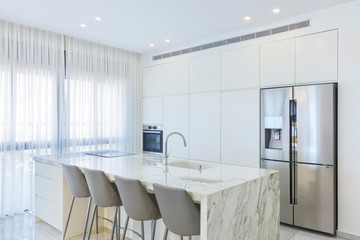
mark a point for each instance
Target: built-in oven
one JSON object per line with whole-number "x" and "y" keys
{"x": 153, "y": 138}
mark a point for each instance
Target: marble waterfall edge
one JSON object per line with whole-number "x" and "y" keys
{"x": 247, "y": 211}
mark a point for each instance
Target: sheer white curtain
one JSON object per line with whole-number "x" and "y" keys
{"x": 31, "y": 63}
{"x": 100, "y": 98}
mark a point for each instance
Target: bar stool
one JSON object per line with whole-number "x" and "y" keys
{"x": 79, "y": 189}
{"x": 180, "y": 214}
{"x": 138, "y": 203}
{"x": 105, "y": 194}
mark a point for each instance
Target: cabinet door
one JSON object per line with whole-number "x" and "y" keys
{"x": 205, "y": 126}
{"x": 277, "y": 63}
{"x": 316, "y": 58}
{"x": 176, "y": 119}
{"x": 240, "y": 68}
{"x": 175, "y": 78}
{"x": 152, "y": 110}
{"x": 240, "y": 128}
{"x": 152, "y": 81}
{"x": 205, "y": 73}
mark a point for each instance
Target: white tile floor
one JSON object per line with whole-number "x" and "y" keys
{"x": 25, "y": 227}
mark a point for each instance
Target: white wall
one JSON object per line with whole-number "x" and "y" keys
{"x": 346, "y": 19}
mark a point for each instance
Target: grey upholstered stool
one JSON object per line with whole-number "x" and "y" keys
{"x": 105, "y": 194}
{"x": 79, "y": 189}
{"x": 180, "y": 214}
{"x": 138, "y": 203}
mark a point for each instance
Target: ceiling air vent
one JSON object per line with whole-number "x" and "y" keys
{"x": 242, "y": 38}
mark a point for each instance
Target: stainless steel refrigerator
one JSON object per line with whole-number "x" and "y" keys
{"x": 299, "y": 138}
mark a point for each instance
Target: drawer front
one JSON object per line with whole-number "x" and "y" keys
{"x": 49, "y": 189}
{"x": 48, "y": 171}
{"x": 49, "y": 212}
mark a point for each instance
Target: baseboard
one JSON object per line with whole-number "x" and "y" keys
{"x": 347, "y": 235}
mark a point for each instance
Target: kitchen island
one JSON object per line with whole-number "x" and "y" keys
{"x": 236, "y": 202}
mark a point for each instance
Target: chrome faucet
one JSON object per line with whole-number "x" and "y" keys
{"x": 166, "y": 154}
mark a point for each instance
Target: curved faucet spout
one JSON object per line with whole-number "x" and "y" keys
{"x": 166, "y": 154}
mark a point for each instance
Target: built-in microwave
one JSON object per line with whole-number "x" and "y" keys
{"x": 153, "y": 138}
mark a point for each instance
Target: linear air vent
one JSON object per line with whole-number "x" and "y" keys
{"x": 242, "y": 38}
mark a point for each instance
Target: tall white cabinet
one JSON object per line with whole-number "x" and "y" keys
{"x": 240, "y": 127}
{"x": 205, "y": 126}
{"x": 240, "y": 68}
{"x": 176, "y": 119}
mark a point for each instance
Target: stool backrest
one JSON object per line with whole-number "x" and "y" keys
{"x": 138, "y": 203}
{"x": 103, "y": 192}
{"x": 76, "y": 181}
{"x": 180, "y": 214}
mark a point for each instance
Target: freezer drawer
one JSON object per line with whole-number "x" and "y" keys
{"x": 286, "y": 209}
{"x": 315, "y": 206}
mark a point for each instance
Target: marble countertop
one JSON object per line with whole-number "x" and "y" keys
{"x": 181, "y": 173}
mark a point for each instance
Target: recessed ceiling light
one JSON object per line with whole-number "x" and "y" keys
{"x": 83, "y": 25}
{"x": 167, "y": 40}
{"x": 98, "y": 18}
{"x": 276, "y": 10}
{"x": 152, "y": 45}
{"x": 247, "y": 18}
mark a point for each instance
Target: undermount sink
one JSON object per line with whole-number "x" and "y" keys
{"x": 189, "y": 165}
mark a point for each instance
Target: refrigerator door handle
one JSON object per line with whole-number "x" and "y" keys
{"x": 295, "y": 202}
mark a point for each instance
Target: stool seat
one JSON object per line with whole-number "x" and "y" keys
{"x": 180, "y": 214}
{"x": 138, "y": 203}
{"x": 79, "y": 189}
{"x": 104, "y": 194}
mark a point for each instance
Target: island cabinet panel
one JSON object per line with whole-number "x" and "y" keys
{"x": 240, "y": 128}
{"x": 153, "y": 81}
{"x": 317, "y": 57}
{"x": 153, "y": 110}
{"x": 175, "y": 78}
{"x": 176, "y": 119}
{"x": 277, "y": 63}
{"x": 240, "y": 68}
{"x": 204, "y": 73}
{"x": 53, "y": 197}
{"x": 205, "y": 126}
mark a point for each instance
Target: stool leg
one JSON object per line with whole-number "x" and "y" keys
{"x": 153, "y": 229}
{"x": 68, "y": 217}
{"x": 92, "y": 221}
{"x": 114, "y": 224}
{"x": 119, "y": 222}
{"x": 165, "y": 234}
{"x": 125, "y": 228}
{"x": 142, "y": 230}
{"x": 87, "y": 218}
{"x": 97, "y": 220}
{"x": 181, "y": 238}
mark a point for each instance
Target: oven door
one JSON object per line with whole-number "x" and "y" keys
{"x": 153, "y": 141}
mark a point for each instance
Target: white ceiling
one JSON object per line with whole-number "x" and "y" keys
{"x": 133, "y": 24}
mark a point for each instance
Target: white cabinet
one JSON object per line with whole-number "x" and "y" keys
{"x": 316, "y": 58}
{"x": 277, "y": 63}
{"x": 175, "y": 78}
{"x": 176, "y": 119}
{"x": 204, "y": 73}
{"x": 240, "y": 128}
{"x": 205, "y": 126}
{"x": 153, "y": 110}
{"x": 240, "y": 68}
{"x": 53, "y": 197}
{"x": 152, "y": 81}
